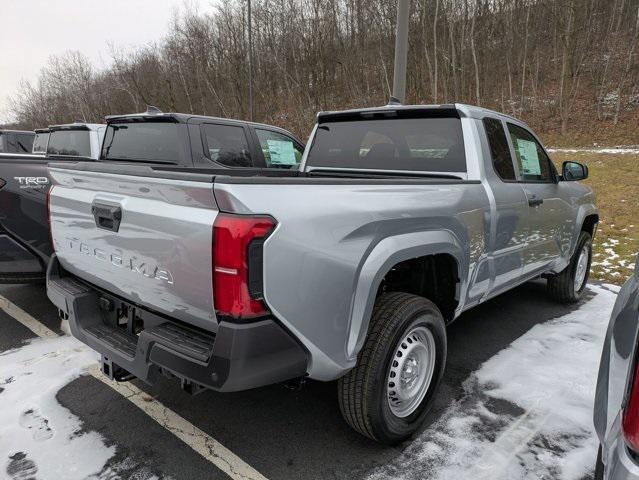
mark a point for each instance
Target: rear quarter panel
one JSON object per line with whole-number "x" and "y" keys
{"x": 315, "y": 259}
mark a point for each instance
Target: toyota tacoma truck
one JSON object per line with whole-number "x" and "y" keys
{"x": 153, "y": 137}
{"x": 24, "y": 182}
{"x": 400, "y": 219}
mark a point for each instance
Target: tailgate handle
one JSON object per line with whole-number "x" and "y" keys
{"x": 107, "y": 216}
{"x": 535, "y": 201}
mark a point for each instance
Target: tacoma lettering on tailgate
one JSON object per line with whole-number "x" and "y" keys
{"x": 120, "y": 260}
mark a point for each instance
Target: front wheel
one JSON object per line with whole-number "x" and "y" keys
{"x": 568, "y": 285}
{"x": 387, "y": 396}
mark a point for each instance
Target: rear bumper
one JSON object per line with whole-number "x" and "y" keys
{"x": 238, "y": 357}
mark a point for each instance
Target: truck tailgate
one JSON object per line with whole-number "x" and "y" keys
{"x": 145, "y": 238}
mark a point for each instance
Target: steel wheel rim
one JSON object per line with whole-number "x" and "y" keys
{"x": 411, "y": 371}
{"x": 582, "y": 268}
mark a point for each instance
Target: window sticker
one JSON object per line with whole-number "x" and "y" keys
{"x": 281, "y": 152}
{"x": 530, "y": 164}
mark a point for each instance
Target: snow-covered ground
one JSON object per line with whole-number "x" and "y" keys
{"x": 526, "y": 413}
{"x": 40, "y": 438}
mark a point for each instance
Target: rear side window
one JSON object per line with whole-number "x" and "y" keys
{"x": 72, "y": 143}
{"x": 153, "y": 142}
{"x": 405, "y": 144}
{"x": 279, "y": 150}
{"x": 40, "y": 143}
{"x": 227, "y": 144}
{"x": 25, "y": 142}
{"x": 16, "y": 143}
{"x": 533, "y": 163}
{"x": 499, "y": 150}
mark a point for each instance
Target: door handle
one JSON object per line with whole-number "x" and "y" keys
{"x": 535, "y": 201}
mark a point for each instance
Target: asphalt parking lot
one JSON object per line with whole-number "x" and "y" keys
{"x": 276, "y": 431}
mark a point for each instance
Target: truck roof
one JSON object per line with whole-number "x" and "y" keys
{"x": 9, "y": 130}
{"x": 454, "y": 109}
{"x": 180, "y": 118}
{"x": 155, "y": 115}
{"x": 76, "y": 126}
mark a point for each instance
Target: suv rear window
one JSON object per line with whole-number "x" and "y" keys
{"x": 405, "y": 144}
{"x": 72, "y": 143}
{"x": 154, "y": 142}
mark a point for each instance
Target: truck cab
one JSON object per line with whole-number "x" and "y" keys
{"x": 75, "y": 140}
{"x": 16, "y": 141}
{"x": 194, "y": 141}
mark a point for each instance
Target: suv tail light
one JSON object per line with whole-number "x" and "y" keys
{"x": 630, "y": 420}
{"x": 237, "y": 264}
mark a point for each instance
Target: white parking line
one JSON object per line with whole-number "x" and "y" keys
{"x": 25, "y": 319}
{"x": 199, "y": 441}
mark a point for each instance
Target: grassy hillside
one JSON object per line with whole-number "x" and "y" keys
{"x": 615, "y": 180}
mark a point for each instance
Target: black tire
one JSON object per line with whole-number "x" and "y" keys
{"x": 561, "y": 286}
{"x": 362, "y": 391}
{"x": 599, "y": 467}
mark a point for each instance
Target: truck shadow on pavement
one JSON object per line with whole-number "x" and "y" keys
{"x": 300, "y": 433}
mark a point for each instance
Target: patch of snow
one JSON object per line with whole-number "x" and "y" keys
{"x": 604, "y": 151}
{"x": 611, "y": 253}
{"x": 526, "y": 413}
{"x": 38, "y": 437}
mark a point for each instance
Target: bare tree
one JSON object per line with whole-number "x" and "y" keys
{"x": 556, "y": 63}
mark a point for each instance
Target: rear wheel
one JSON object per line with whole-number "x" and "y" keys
{"x": 568, "y": 285}
{"x": 387, "y": 396}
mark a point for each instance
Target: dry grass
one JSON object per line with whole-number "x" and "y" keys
{"x": 615, "y": 180}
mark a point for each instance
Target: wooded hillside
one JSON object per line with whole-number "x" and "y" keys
{"x": 565, "y": 66}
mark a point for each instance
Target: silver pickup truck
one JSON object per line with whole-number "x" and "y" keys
{"x": 400, "y": 219}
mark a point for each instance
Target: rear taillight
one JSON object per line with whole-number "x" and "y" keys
{"x": 237, "y": 264}
{"x": 2, "y": 183}
{"x": 630, "y": 420}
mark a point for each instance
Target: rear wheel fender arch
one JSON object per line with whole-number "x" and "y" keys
{"x": 389, "y": 252}
{"x": 586, "y": 215}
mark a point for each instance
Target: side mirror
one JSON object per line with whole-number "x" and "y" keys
{"x": 573, "y": 171}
